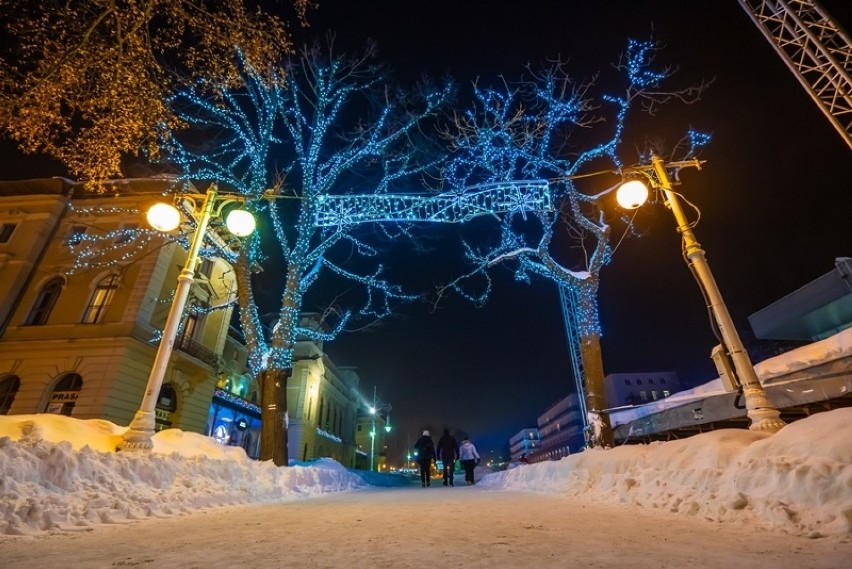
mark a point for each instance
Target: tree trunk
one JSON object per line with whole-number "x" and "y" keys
{"x": 273, "y": 434}
{"x": 600, "y": 432}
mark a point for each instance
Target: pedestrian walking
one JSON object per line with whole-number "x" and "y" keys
{"x": 425, "y": 457}
{"x": 469, "y": 459}
{"x": 448, "y": 453}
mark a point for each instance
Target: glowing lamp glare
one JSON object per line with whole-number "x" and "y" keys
{"x": 632, "y": 194}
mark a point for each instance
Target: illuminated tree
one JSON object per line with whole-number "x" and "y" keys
{"x": 87, "y": 81}
{"x": 331, "y": 127}
{"x": 524, "y": 131}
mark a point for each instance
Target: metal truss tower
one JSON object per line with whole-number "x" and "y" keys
{"x": 815, "y": 49}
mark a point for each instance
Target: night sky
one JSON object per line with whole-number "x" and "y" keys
{"x": 774, "y": 198}
{"x": 774, "y": 201}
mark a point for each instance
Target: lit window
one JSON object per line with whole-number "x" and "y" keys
{"x": 45, "y": 302}
{"x": 654, "y": 395}
{"x": 643, "y": 395}
{"x": 6, "y": 230}
{"x": 101, "y": 298}
{"x": 666, "y": 393}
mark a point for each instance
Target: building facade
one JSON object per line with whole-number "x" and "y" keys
{"x": 637, "y": 388}
{"x": 85, "y": 294}
{"x": 560, "y": 429}
{"x": 82, "y": 317}
{"x": 523, "y": 443}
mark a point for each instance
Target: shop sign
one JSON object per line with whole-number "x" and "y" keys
{"x": 63, "y": 396}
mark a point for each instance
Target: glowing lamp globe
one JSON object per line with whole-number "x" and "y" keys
{"x": 240, "y": 223}
{"x": 632, "y": 194}
{"x": 163, "y": 217}
{"x": 387, "y": 428}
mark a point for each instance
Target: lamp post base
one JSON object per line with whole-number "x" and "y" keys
{"x": 764, "y": 416}
{"x": 139, "y": 433}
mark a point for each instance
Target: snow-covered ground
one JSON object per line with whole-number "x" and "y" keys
{"x": 60, "y": 473}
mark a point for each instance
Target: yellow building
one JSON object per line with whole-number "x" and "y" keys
{"x": 83, "y": 297}
{"x": 78, "y": 338}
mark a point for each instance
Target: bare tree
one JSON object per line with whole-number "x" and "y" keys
{"x": 550, "y": 126}
{"x": 342, "y": 138}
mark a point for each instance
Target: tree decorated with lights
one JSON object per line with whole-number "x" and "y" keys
{"x": 318, "y": 152}
{"x": 87, "y": 82}
{"x": 523, "y": 131}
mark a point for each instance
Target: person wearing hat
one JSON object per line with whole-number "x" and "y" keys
{"x": 425, "y": 457}
{"x": 469, "y": 459}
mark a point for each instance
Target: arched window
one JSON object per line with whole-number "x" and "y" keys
{"x": 101, "y": 298}
{"x": 45, "y": 301}
{"x": 8, "y": 389}
{"x": 64, "y": 395}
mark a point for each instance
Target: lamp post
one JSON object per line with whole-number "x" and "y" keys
{"x": 165, "y": 217}
{"x": 374, "y": 409}
{"x": 763, "y": 415}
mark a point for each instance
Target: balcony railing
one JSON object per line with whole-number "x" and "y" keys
{"x": 197, "y": 351}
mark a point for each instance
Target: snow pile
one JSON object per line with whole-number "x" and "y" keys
{"x": 60, "y": 473}
{"x": 63, "y": 473}
{"x": 798, "y": 480}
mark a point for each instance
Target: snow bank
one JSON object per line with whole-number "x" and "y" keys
{"x": 798, "y": 480}
{"x": 60, "y": 473}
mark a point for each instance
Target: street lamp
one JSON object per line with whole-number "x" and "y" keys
{"x": 374, "y": 409}
{"x": 632, "y": 194}
{"x": 165, "y": 217}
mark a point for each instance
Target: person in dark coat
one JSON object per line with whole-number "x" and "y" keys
{"x": 425, "y": 457}
{"x": 448, "y": 452}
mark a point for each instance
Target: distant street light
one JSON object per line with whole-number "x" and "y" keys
{"x": 374, "y": 409}
{"x": 764, "y": 416}
{"x": 165, "y": 217}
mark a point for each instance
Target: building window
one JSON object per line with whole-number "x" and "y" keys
{"x": 126, "y": 234}
{"x": 75, "y": 236}
{"x": 205, "y": 268}
{"x": 8, "y": 389}
{"x": 643, "y": 395}
{"x": 6, "y": 231}
{"x": 666, "y": 393}
{"x": 654, "y": 395}
{"x": 638, "y": 382}
{"x": 101, "y": 299}
{"x": 45, "y": 302}
{"x": 651, "y": 380}
{"x": 187, "y": 332}
{"x": 64, "y": 395}
{"x": 626, "y": 382}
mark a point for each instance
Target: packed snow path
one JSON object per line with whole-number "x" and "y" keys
{"x": 411, "y": 527}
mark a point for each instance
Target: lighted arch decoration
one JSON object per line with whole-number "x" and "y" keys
{"x": 451, "y": 207}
